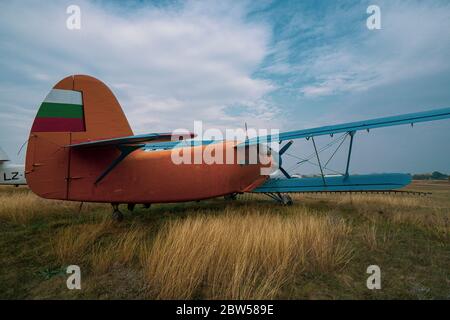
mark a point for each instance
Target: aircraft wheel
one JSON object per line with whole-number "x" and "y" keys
{"x": 287, "y": 200}
{"x": 117, "y": 215}
{"x": 230, "y": 197}
{"x": 131, "y": 207}
{"x": 147, "y": 205}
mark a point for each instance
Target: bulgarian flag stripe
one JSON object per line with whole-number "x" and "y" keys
{"x": 57, "y": 125}
{"x": 64, "y": 96}
{"x": 61, "y": 111}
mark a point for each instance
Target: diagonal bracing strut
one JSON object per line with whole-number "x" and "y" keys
{"x": 318, "y": 161}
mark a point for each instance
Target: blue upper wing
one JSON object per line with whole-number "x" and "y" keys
{"x": 409, "y": 118}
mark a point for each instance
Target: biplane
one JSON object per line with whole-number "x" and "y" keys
{"x": 81, "y": 148}
{"x": 11, "y": 173}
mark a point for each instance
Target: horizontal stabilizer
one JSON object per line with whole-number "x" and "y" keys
{"x": 372, "y": 182}
{"x": 130, "y": 140}
{"x": 177, "y": 144}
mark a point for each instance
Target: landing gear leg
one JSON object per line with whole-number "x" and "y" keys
{"x": 131, "y": 207}
{"x": 283, "y": 199}
{"x": 286, "y": 200}
{"x": 116, "y": 215}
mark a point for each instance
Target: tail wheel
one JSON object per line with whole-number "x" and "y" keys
{"x": 230, "y": 197}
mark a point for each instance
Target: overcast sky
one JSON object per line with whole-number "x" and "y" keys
{"x": 273, "y": 64}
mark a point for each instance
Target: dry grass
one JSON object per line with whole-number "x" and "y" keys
{"x": 422, "y": 212}
{"x": 248, "y": 249}
{"x": 419, "y": 211}
{"x": 71, "y": 243}
{"x": 436, "y": 220}
{"x": 242, "y": 257}
{"x": 369, "y": 236}
{"x": 121, "y": 251}
{"x": 21, "y": 206}
{"x": 383, "y": 201}
{"x": 373, "y": 238}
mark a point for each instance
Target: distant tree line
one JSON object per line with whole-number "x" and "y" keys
{"x": 436, "y": 175}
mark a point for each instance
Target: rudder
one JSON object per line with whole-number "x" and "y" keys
{"x": 79, "y": 108}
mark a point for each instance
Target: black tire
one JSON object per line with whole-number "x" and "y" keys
{"x": 117, "y": 216}
{"x": 287, "y": 200}
{"x": 230, "y": 197}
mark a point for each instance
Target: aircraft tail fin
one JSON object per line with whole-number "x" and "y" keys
{"x": 78, "y": 109}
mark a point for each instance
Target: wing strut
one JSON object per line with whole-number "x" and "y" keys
{"x": 125, "y": 150}
{"x": 318, "y": 161}
{"x": 280, "y": 153}
{"x": 351, "y": 133}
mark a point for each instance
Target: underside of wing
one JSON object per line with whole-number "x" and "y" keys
{"x": 372, "y": 182}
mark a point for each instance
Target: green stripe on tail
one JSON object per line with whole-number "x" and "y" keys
{"x": 60, "y": 110}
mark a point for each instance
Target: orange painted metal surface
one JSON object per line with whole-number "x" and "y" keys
{"x": 55, "y": 171}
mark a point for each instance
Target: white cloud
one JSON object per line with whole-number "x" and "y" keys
{"x": 168, "y": 67}
{"x": 346, "y": 57}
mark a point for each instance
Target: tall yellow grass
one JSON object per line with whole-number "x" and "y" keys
{"x": 20, "y": 205}
{"x": 242, "y": 256}
{"x": 383, "y": 200}
{"x": 71, "y": 244}
{"x": 122, "y": 250}
{"x": 23, "y": 207}
{"x": 373, "y": 238}
{"x": 436, "y": 220}
{"x": 243, "y": 252}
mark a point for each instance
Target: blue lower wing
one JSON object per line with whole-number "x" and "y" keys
{"x": 371, "y": 182}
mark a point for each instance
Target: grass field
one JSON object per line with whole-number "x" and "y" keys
{"x": 252, "y": 248}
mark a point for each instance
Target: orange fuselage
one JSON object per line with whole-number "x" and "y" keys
{"x": 152, "y": 177}
{"x": 143, "y": 177}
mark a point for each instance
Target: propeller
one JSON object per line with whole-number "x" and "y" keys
{"x": 285, "y": 147}
{"x": 246, "y": 132}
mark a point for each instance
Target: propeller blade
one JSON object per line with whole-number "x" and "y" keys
{"x": 285, "y": 173}
{"x": 285, "y": 147}
{"x": 246, "y": 132}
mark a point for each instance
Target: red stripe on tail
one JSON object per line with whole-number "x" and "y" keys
{"x": 58, "y": 125}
